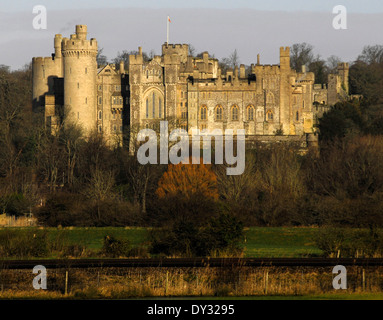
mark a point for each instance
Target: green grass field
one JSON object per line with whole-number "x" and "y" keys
{"x": 260, "y": 242}
{"x": 280, "y": 242}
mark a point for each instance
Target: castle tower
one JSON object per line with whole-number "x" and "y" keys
{"x": 44, "y": 71}
{"x": 285, "y": 112}
{"x": 80, "y": 72}
{"x": 285, "y": 58}
{"x": 343, "y": 71}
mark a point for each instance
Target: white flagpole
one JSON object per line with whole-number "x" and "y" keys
{"x": 167, "y": 31}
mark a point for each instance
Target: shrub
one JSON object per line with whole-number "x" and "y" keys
{"x": 187, "y": 238}
{"x": 28, "y": 243}
{"x": 113, "y": 247}
{"x": 341, "y": 242}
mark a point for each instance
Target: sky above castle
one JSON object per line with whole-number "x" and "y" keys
{"x": 216, "y": 26}
{"x": 366, "y": 6}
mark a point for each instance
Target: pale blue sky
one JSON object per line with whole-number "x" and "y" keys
{"x": 217, "y": 26}
{"x": 358, "y": 6}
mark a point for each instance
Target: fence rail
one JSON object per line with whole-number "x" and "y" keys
{"x": 190, "y": 262}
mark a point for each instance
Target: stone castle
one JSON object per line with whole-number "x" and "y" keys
{"x": 271, "y": 102}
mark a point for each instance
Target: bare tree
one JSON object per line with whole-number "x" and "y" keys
{"x": 100, "y": 187}
{"x": 301, "y": 54}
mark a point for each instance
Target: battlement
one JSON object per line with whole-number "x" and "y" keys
{"x": 266, "y": 68}
{"x": 343, "y": 65}
{"x": 284, "y": 51}
{"x": 77, "y": 44}
{"x": 42, "y": 60}
{"x": 182, "y": 50}
{"x": 177, "y": 46}
{"x": 77, "y": 41}
{"x": 136, "y": 59}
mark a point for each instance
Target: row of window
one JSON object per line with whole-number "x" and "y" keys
{"x": 114, "y": 115}
{"x": 234, "y": 113}
{"x": 116, "y": 100}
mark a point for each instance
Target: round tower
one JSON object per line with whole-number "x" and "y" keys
{"x": 80, "y": 72}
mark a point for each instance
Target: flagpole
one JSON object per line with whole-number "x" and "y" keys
{"x": 167, "y": 30}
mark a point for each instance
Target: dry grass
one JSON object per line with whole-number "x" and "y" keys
{"x": 12, "y": 221}
{"x": 113, "y": 283}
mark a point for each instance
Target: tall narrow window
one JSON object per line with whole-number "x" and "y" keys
{"x": 147, "y": 108}
{"x": 218, "y": 113}
{"x": 297, "y": 116}
{"x": 234, "y": 113}
{"x": 203, "y": 112}
{"x": 154, "y": 105}
{"x": 100, "y": 115}
{"x": 159, "y": 108}
{"x": 250, "y": 113}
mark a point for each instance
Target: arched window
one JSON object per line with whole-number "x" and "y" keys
{"x": 218, "y": 113}
{"x": 203, "y": 113}
{"x": 153, "y": 105}
{"x": 297, "y": 116}
{"x": 270, "y": 115}
{"x": 250, "y": 113}
{"x": 234, "y": 113}
{"x": 100, "y": 115}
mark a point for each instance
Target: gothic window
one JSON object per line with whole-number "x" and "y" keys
{"x": 154, "y": 105}
{"x": 297, "y": 116}
{"x": 270, "y": 115}
{"x": 250, "y": 113}
{"x": 218, "y": 113}
{"x": 203, "y": 113}
{"x": 234, "y": 113}
{"x": 100, "y": 115}
{"x": 99, "y": 100}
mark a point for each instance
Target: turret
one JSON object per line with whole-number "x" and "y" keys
{"x": 80, "y": 70}
{"x": 285, "y": 58}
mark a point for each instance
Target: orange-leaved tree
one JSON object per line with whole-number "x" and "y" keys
{"x": 187, "y": 180}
